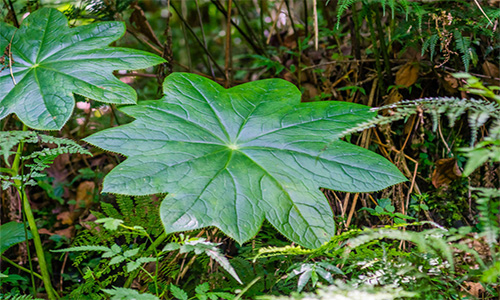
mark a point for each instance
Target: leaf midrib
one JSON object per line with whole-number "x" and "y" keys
{"x": 198, "y": 197}
{"x": 221, "y": 124}
{"x": 188, "y": 121}
{"x": 42, "y": 41}
{"x": 14, "y": 46}
{"x": 81, "y": 80}
{"x": 280, "y": 187}
{"x": 299, "y": 124}
{"x": 306, "y": 154}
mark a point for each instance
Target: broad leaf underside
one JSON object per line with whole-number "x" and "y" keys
{"x": 52, "y": 61}
{"x": 230, "y": 158}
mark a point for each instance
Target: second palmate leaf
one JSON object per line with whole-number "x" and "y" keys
{"x": 47, "y": 62}
{"x": 231, "y": 158}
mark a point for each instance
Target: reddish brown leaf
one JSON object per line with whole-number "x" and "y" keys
{"x": 446, "y": 171}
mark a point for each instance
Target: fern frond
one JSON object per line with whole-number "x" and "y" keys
{"x": 419, "y": 12}
{"x": 463, "y": 45}
{"x": 41, "y": 159}
{"x": 277, "y": 251}
{"x": 406, "y": 8}
{"x": 430, "y": 44}
{"x": 342, "y": 6}
{"x": 110, "y": 211}
{"x": 429, "y": 241}
{"x": 127, "y": 208}
{"x": 84, "y": 248}
{"x": 480, "y": 111}
{"x": 488, "y": 202}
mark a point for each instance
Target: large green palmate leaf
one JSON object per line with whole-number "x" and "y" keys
{"x": 12, "y": 233}
{"x": 52, "y": 61}
{"x": 230, "y": 158}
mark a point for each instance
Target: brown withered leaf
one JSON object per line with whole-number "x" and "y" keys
{"x": 138, "y": 18}
{"x": 408, "y": 74}
{"x": 84, "y": 198}
{"x": 68, "y": 232}
{"x": 446, "y": 171}
{"x": 45, "y": 231}
{"x": 449, "y": 83}
{"x": 394, "y": 97}
{"x": 310, "y": 91}
{"x": 67, "y": 217}
{"x": 492, "y": 70}
{"x": 85, "y": 194}
{"x": 476, "y": 289}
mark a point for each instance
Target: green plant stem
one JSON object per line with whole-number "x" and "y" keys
{"x": 31, "y": 221}
{"x": 5, "y": 259}
{"x": 383, "y": 46}
{"x": 153, "y": 247}
{"x": 378, "y": 66}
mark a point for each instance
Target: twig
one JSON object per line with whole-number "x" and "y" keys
{"x": 292, "y": 22}
{"x": 480, "y": 8}
{"x": 197, "y": 39}
{"x": 140, "y": 39}
{"x": 348, "y": 61}
{"x": 136, "y": 75}
{"x": 351, "y": 212}
{"x": 383, "y": 46}
{"x": 184, "y": 33}
{"x": 12, "y": 12}
{"x": 253, "y": 36}
{"x": 204, "y": 38}
{"x": 413, "y": 179}
{"x": 474, "y": 74}
{"x": 315, "y": 17}
{"x": 378, "y": 66}
{"x": 245, "y": 36}
{"x": 273, "y": 28}
{"x": 444, "y": 141}
{"x": 227, "y": 61}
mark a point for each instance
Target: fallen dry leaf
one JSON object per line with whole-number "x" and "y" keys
{"x": 138, "y": 18}
{"x": 84, "y": 198}
{"x": 394, "y": 97}
{"x": 474, "y": 288}
{"x": 66, "y": 217}
{"x": 446, "y": 171}
{"x": 449, "y": 83}
{"x": 85, "y": 194}
{"x": 45, "y": 231}
{"x": 310, "y": 91}
{"x": 490, "y": 69}
{"x": 408, "y": 74}
{"x": 68, "y": 232}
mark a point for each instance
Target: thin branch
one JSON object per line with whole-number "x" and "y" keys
{"x": 315, "y": 17}
{"x": 227, "y": 61}
{"x": 12, "y": 13}
{"x": 196, "y": 38}
{"x": 245, "y": 36}
{"x": 204, "y": 38}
